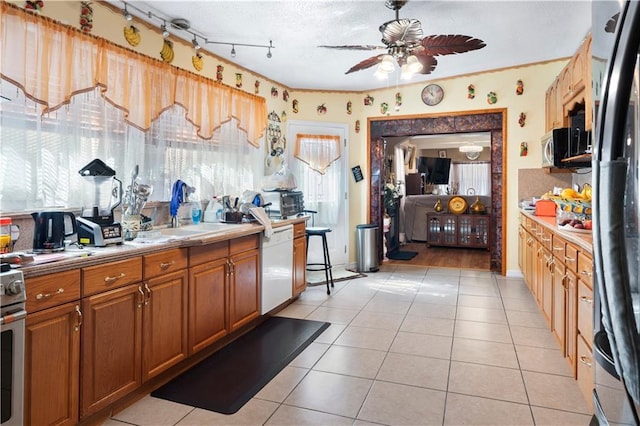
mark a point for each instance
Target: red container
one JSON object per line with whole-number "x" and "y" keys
{"x": 545, "y": 208}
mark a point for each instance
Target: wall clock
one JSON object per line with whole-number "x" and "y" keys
{"x": 432, "y": 94}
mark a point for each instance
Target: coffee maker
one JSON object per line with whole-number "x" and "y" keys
{"x": 102, "y": 194}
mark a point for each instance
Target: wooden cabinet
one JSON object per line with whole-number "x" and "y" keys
{"x": 111, "y": 346}
{"x": 135, "y": 331}
{"x": 299, "y": 259}
{"x": 561, "y": 283}
{"x": 224, "y": 291}
{"x": 244, "y": 294}
{"x": 464, "y": 230}
{"x": 571, "y": 88}
{"x": 52, "y": 366}
{"x": 208, "y": 295}
{"x": 52, "y": 349}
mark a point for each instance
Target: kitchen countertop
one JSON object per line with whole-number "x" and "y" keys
{"x": 185, "y": 236}
{"x": 582, "y": 240}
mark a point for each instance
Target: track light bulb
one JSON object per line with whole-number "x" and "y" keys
{"x": 126, "y": 13}
{"x": 269, "y": 53}
{"x": 196, "y": 45}
{"x": 233, "y": 51}
{"x": 165, "y": 32}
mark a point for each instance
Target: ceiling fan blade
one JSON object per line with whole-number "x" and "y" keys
{"x": 367, "y": 63}
{"x": 450, "y": 44}
{"x": 428, "y": 62}
{"x": 355, "y": 47}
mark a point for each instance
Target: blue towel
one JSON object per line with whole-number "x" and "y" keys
{"x": 177, "y": 196}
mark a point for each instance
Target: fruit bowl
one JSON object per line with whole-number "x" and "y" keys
{"x": 570, "y": 228}
{"x": 577, "y": 206}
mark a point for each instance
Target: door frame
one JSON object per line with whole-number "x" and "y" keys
{"x": 344, "y": 128}
{"x": 491, "y": 120}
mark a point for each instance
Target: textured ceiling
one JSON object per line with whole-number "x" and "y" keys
{"x": 515, "y": 33}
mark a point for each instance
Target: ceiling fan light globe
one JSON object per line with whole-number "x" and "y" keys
{"x": 413, "y": 64}
{"x": 387, "y": 65}
{"x": 405, "y": 72}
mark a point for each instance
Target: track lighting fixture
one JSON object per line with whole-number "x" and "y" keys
{"x": 181, "y": 24}
{"x": 165, "y": 32}
{"x": 126, "y": 13}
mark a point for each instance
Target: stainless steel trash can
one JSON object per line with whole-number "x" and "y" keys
{"x": 367, "y": 248}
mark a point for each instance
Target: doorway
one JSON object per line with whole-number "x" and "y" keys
{"x": 325, "y": 193}
{"x": 493, "y": 121}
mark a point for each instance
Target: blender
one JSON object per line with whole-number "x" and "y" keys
{"x": 102, "y": 194}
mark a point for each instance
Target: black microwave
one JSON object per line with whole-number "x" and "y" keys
{"x": 563, "y": 144}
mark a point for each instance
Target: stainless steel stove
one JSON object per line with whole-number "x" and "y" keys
{"x": 13, "y": 312}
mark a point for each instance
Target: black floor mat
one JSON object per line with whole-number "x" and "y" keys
{"x": 229, "y": 378}
{"x": 402, "y": 255}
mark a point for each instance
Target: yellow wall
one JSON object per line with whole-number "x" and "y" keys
{"x": 109, "y": 23}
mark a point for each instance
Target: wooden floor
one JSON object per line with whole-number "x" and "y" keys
{"x": 478, "y": 259}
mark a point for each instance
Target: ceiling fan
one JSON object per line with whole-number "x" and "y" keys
{"x": 405, "y": 44}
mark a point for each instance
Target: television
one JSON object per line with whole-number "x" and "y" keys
{"x": 436, "y": 169}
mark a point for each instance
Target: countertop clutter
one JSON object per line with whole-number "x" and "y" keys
{"x": 582, "y": 239}
{"x": 185, "y": 236}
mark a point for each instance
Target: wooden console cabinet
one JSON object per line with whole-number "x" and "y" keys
{"x": 458, "y": 230}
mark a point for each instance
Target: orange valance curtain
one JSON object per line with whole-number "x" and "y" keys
{"x": 318, "y": 151}
{"x": 52, "y": 62}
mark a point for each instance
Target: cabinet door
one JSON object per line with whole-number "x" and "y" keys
{"x": 52, "y": 366}
{"x": 164, "y": 323}
{"x": 111, "y": 347}
{"x": 547, "y": 285}
{"x": 208, "y": 294}
{"x": 244, "y": 292}
{"x": 572, "y": 320}
{"x": 481, "y": 229}
{"x": 558, "y": 316}
{"x": 299, "y": 265}
{"x": 465, "y": 230}
{"x": 522, "y": 249}
{"x": 449, "y": 230}
{"x": 434, "y": 230}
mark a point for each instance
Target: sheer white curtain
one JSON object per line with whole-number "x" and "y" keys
{"x": 322, "y": 191}
{"x": 476, "y": 176}
{"x": 40, "y": 156}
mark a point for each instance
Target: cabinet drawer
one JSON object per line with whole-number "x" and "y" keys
{"x": 571, "y": 257}
{"x": 585, "y": 269}
{"x": 558, "y": 246}
{"x": 96, "y": 279}
{"x": 299, "y": 230}
{"x": 585, "y": 311}
{"x": 546, "y": 239}
{"x": 585, "y": 371}
{"x": 203, "y": 254}
{"x": 164, "y": 262}
{"x": 52, "y": 290}
{"x": 250, "y": 242}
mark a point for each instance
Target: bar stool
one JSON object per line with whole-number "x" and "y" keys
{"x": 320, "y": 231}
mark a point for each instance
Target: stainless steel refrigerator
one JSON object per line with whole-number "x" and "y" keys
{"x": 616, "y": 204}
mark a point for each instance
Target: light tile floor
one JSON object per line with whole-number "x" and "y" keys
{"x": 409, "y": 346}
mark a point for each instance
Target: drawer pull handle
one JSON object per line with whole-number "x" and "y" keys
{"x": 558, "y": 248}
{"x": 585, "y": 360}
{"x": 143, "y": 297}
{"x": 586, "y": 299}
{"x": 79, "y": 312}
{"x": 148, "y": 298}
{"x": 40, "y": 296}
{"x": 167, "y": 265}
{"x": 586, "y": 273}
{"x": 569, "y": 259}
{"x": 114, "y": 279}
{"x": 546, "y": 239}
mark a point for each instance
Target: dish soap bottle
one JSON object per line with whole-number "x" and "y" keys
{"x": 213, "y": 213}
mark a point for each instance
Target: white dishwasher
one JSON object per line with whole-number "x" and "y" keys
{"x": 277, "y": 268}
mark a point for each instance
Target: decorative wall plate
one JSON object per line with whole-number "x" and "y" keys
{"x": 432, "y": 94}
{"x": 457, "y": 205}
